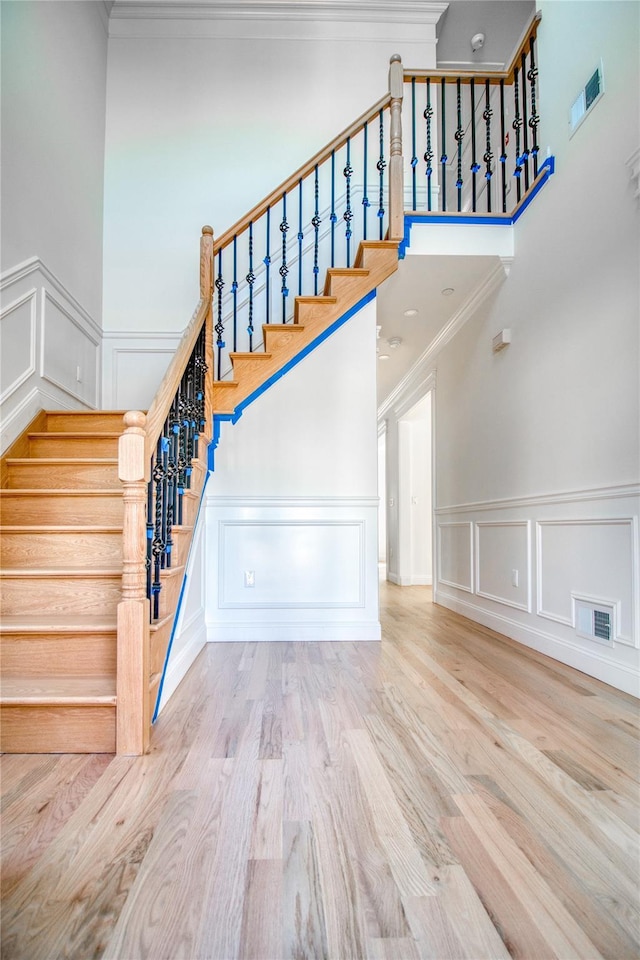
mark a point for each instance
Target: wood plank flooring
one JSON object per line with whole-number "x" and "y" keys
{"x": 446, "y": 793}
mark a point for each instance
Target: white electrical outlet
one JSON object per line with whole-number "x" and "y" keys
{"x": 249, "y": 578}
{"x": 515, "y": 578}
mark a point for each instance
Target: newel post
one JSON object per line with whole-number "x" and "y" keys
{"x": 396, "y": 163}
{"x": 206, "y": 293}
{"x": 132, "y": 689}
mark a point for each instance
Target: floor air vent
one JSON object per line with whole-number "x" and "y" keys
{"x": 594, "y": 619}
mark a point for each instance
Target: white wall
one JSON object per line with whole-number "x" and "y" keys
{"x": 206, "y": 117}
{"x": 54, "y": 58}
{"x": 293, "y": 498}
{"x": 538, "y": 446}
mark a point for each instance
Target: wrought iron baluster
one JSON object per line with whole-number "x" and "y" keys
{"x": 251, "y": 279}
{"x": 525, "y": 124}
{"x": 157, "y": 543}
{"x": 534, "y": 119}
{"x": 300, "y": 237}
{"x": 380, "y": 166}
{"x": 219, "y": 323}
{"x": 503, "y": 155}
{"x": 149, "y": 553}
{"x": 414, "y": 159}
{"x": 475, "y": 166}
{"x": 347, "y": 216}
{"x": 428, "y": 156}
{"x": 284, "y": 269}
{"x": 333, "y": 218}
{"x": 234, "y": 291}
{"x": 267, "y": 265}
{"x": 488, "y": 155}
{"x": 459, "y": 136}
{"x": 365, "y": 198}
{"x": 443, "y": 156}
{"x": 517, "y": 123}
{"x": 316, "y": 226}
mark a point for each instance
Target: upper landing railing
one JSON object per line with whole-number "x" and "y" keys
{"x": 470, "y": 146}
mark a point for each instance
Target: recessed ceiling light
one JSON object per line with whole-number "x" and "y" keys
{"x": 447, "y": 291}
{"x": 394, "y": 342}
{"x": 411, "y": 313}
{"x": 383, "y": 356}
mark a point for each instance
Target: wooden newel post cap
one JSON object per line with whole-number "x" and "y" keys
{"x": 135, "y": 418}
{"x": 207, "y": 231}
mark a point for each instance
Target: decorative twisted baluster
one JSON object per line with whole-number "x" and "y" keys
{"x": 234, "y": 292}
{"x": 219, "y": 327}
{"x": 347, "y": 216}
{"x": 516, "y": 124}
{"x": 534, "y": 119}
{"x": 459, "y": 136}
{"x": 300, "y": 237}
{"x": 333, "y": 219}
{"x": 251, "y": 279}
{"x": 488, "y": 155}
{"x": 525, "y": 125}
{"x": 414, "y": 159}
{"x": 503, "y": 155}
{"x": 443, "y": 156}
{"x": 316, "y": 221}
{"x": 428, "y": 156}
{"x": 475, "y": 166}
{"x": 284, "y": 269}
{"x": 380, "y": 166}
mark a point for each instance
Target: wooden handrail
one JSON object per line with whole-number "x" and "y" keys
{"x": 493, "y": 76}
{"x": 227, "y": 237}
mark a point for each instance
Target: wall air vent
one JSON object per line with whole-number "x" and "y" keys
{"x": 595, "y": 619}
{"x": 586, "y": 99}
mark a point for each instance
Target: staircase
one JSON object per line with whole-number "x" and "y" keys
{"x": 61, "y": 515}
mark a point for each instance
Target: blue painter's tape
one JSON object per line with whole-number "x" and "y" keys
{"x": 178, "y": 608}
{"x": 545, "y": 170}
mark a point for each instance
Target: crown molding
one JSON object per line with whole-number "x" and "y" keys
{"x": 424, "y": 12}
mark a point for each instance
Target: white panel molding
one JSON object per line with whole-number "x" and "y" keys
{"x": 33, "y": 264}
{"x": 92, "y": 337}
{"x": 634, "y": 563}
{"x": 224, "y": 526}
{"x": 29, "y": 297}
{"x": 480, "y": 525}
{"x": 214, "y": 500}
{"x": 468, "y": 588}
{"x": 420, "y": 372}
{"x": 620, "y": 491}
{"x": 120, "y": 343}
{"x": 594, "y": 662}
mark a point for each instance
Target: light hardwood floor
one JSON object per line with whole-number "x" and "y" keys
{"x": 443, "y": 794}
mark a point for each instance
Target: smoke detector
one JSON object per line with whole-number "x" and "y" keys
{"x": 477, "y": 41}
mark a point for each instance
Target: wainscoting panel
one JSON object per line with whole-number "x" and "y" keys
{"x": 300, "y": 563}
{"x": 292, "y": 569}
{"x": 51, "y": 348}
{"x": 575, "y": 547}
{"x": 593, "y": 558}
{"x": 134, "y": 365}
{"x": 455, "y": 555}
{"x": 503, "y": 569}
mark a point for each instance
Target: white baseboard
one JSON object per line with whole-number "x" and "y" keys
{"x": 257, "y": 632}
{"x": 410, "y": 581}
{"x": 592, "y": 663}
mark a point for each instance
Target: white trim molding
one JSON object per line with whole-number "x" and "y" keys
{"x": 467, "y": 587}
{"x": 497, "y": 598}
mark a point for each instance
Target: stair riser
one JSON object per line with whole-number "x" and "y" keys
{"x": 64, "y": 476}
{"x": 64, "y": 655}
{"x": 170, "y": 593}
{"x": 44, "y": 549}
{"x": 57, "y": 729}
{"x": 159, "y": 642}
{"x": 101, "y": 420}
{"x": 61, "y": 511}
{"x": 63, "y": 446}
{"x": 55, "y": 595}
{"x": 344, "y": 287}
{"x": 277, "y": 341}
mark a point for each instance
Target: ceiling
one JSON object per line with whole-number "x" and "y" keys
{"x": 418, "y": 285}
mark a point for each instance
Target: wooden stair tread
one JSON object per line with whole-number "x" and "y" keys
{"x": 249, "y": 356}
{"x": 56, "y": 623}
{"x": 61, "y": 492}
{"x": 66, "y": 570}
{"x": 23, "y": 528}
{"x": 61, "y": 691}
{"x": 63, "y": 461}
{"x": 74, "y": 434}
{"x": 160, "y": 623}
